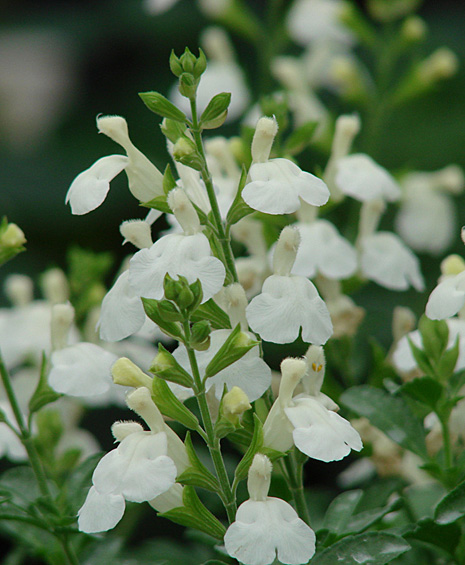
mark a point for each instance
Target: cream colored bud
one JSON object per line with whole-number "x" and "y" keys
{"x": 286, "y": 251}
{"x": 62, "y": 318}
{"x": 55, "y": 286}
{"x": 414, "y": 28}
{"x": 263, "y": 138}
{"x": 140, "y": 401}
{"x": 12, "y": 237}
{"x": 127, "y": 373}
{"x": 259, "y": 478}
{"x": 120, "y": 430}
{"x": 441, "y": 64}
{"x": 452, "y": 265}
{"x": 450, "y": 179}
{"x": 403, "y": 322}
{"x": 19, "y": 289}
{"x": 184, "y": 211}
{"x": 137, "y": 232}
{"x": 235, "y": 403}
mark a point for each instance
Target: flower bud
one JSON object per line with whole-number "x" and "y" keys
{"x": 19, "y": 289}
{"x": 169, "y": 311}
{"x": 441, "y": 64}
{"x": 452, "y": 265}
{"x": 413, "y": 29}
{"x": 234, "y": 404}
{"x": 127, "y": 373}
{"x": 403, "y": 322}
{"x": 185, "y": 151}
{"x": 265, "y": 132}
{"x": 200, "y": 335}
{"x": 167, "y": 368}
{"x": 12, "y": 236}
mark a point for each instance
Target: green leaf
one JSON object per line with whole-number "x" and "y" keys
{"x": 446, "y": 365}
{"x": 210, "y": 311}
{"x": 214, "y": 562}
{"x": 158, "y": 203}
{"x": 340, "y": 510}
{"x": 169, "y": 182}
{"x": 372, "y": 548}
{"x": 363, "y": 520}
{"x": 434, "y": 335}
{"x": 169, "y": 405}
{"x": 169, "y": 328}
{"x": 197, "y": 475}
{"x": 166, "y": 367}
{"x": 43, "y": 393}
{"x": 445, "y": 536}
{"x": 19, "y": 485}
{"x": 216, "y": 111}
{"x": 421, "y": 359}
{"x": 390, "y": 414}
{"x": 195, "y": 515}
{"x": 451, "y": 507}
{"x": 255, "y": 446}
{"x": 237, "y": 344}
{"x": 423, "y": 389}
{"x": 160, "y": 105}
{"x": 239, "y": 209}
{"x": 300, "y": 138}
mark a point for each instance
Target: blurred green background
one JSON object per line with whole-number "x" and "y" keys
{"x": 64, "y": 62}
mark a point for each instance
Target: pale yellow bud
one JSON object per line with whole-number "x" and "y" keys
{"x": 452, "y": 265}
{"x": 441, "y": 64}
{"x": 12, "y": 237}
{"x": 235, "y": 403}
{"x": 127, "y": 373}
{"x": 414, "y": 29}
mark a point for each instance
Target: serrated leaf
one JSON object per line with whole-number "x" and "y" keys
{"x": 255, "y": 446}
{"x": 423, "y": 389}
{"x": 372, "y": 548}
{"x": 388, "y": 413}
{"x": 340, "y": 511}
{"x": 451, "y": 507}
{"x": 195, "y": 515}
{"x": 210, "y": 311}
{"x": 171, "y": 406}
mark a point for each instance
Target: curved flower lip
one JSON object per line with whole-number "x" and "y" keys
{"x": 388, "y": 261}
{"x": 447, "y": 298}
{"x": 176, "y": 254}
{"x": 81, "y": 370}
{"x": 360, "y": 177}
{"x": 321, "y": 433}
{"x": 286, "y": 304}
{"x": 90, "y": 188}
{"x": 278, "y": 184}
{"x": 264, "y": 530}
{"x": 323, "y": 250}
{"x": 100, "y": 512}
{"x": 122, "y": 313}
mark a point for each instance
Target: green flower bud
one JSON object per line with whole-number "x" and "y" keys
{"x": 200, "y": 335}
{"x": 188, "y": 85}
{"x": 200, "y": 65}
{"x": 167, "y": 368}
{"x": 172, "y": 129}
{"x": 185, "y": 151}
{"x": 175, "y": 64}
{"x": 169, "y": 311}
{"x": 188, "y": 61}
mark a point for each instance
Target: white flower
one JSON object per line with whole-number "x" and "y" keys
{"x": 389, "y": 262}
{"x": 122, "y": 312}
{"x": 156, "y": 7}
{"x": 277, "y": 185}
{"x": 323, "y": 250}
{"x": 447, "y": 298}
{"x": 314, "y": 21}
{"x": 250, "y": 372}
{"x": 359, "y": 176}
{"x": 176, "y": 254}
{"x": 90, "y": 188}
{"x": 81, "y": 370}
{"x": 286, "y": 305}
{"x": 267, "y": 528}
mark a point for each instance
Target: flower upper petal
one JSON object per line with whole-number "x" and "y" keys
{"x": 90, "y": 188}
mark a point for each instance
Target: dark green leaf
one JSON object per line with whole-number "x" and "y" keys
{"x": 447, "y": 362}
{"x": 210, "y": 311}
{"x": 434, "y": 336}
{"x": 423, "y": 389}
{"x": 452, "y": 506}
{"x": 372, "y": 548}
{"x": 340, "y": 511}
{"x": 421, "y": 359}
{"x": 446, "y": 536}
{"x": 390, "y": 414}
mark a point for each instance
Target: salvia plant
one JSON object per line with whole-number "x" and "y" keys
{"x": 255, "y": 250}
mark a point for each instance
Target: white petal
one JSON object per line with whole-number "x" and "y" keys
{"x": 276, "y": 186}
{"x": 386, "y": 260}
{"x": 138, "y": 468}
{"x": 266, "y": 529}
{"x": 100, "y": 512}
{"x": 323, "y": 249}
{"x": 176, "y": 254}
{"x": 83, "y": 369}
{"x": 447, "y": 298}
{"x": 90, "y": 188}
{"x": 360, "y": 177}
{"x": 285, "y": 305}
{"x": 122, "y": 313}
{"x": 319, "y": 432}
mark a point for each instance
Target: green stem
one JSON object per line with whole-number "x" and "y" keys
{"x": 295, "y": 476}
{"x": 223, "y": 239}
{"x": 34, "y": 458}
{"x": 448, "y": 457}
{"x": 213, "y": 443}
